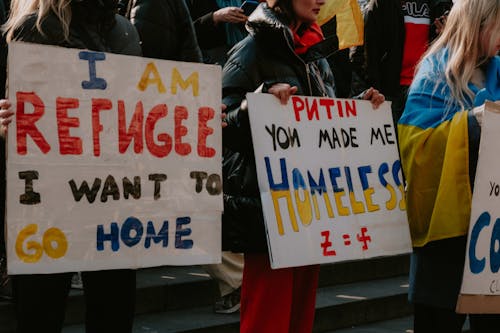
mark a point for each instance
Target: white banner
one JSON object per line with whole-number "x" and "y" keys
{"x": 113, "y": 161}
{"x": 330, "y": 179}
{"x": 482, "y": 259}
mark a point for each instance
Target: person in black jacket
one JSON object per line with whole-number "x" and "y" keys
{"x": 397, "y": 33}
{"x": 283, "y": 54}
{"x": 219, "y": 25}
{"x": 166, "y": 30}
{"x": 109, "y": 294}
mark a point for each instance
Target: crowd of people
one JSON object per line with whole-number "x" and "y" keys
{"x": 436, "y": 60}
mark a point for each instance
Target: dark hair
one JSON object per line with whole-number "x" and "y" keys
{"x": 284, "y": 9}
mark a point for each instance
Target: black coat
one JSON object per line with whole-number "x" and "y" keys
{"x": 96, "y": 30}
{"x": 165, "y": 29}
{"x": 263, "y": 58}
{"x": 384, "y": 42}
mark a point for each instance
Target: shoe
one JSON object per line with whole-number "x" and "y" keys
{"x": 229, "y": 303}
{"x": 76, "y": 281}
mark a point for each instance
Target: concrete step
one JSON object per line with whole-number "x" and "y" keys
{"x": 336, "y": 307}
{"x": 189, "y": 288}
{"x": 399, "y": 325}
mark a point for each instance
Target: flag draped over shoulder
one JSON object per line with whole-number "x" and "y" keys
{"x": 349, "y": 21}
{"x": 434, "y": 146}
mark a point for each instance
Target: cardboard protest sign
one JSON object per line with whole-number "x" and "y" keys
{"x": 113, "y": 161}
{"x": 481, "y": 281}
{"x": 330, "y": 179}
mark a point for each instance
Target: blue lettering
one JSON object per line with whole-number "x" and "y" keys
{"x": 363, "y": 171}
{"x": 477, "y": 265}
{"x": 320, "y": 185}
{"x": 161, "y": 236}
{"x": 284, "y": 178}
{"x": 94, "y": 82}
{"x": 130, "y": 224}
{"x": 180, "y": 232}
{"x": 112, "y": 237}
{"x": 495, "y": 254}
{"x": 334, "y": 174}
{"x": 298, "y": 180}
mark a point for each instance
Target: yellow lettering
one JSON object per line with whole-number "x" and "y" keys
{"x": 343, "y": 210}
{"x": 402, "y": 203}
{"x": 276, "y": 195}
{"x": 357, "y": 206}
{"x": 33, "y": 246}
{"x": 192, "y": 80}
{"x": 304, "y": 207}
{"x": 54, "y": 235}
{"x": 391, "y": 203}
{"x": 156, "y": 79}
{"x": 368, "y": 199}
{"x": 329, "y": 209}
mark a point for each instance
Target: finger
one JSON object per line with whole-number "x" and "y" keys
{"x": 368, "y": 94}
{"x": 5, "y": 104}
{"x": 283, "y": 97}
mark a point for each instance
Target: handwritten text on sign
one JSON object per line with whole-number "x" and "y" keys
{"x": 113, "y": 161}
{"x": 482, "y": 259}
{"x": 330, "y": 179}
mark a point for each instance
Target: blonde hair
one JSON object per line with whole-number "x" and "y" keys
{"x": 21, "y": 9}
{"x": 467, "y": 23}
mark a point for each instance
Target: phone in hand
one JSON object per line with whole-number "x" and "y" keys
{"x": 249, "y": 6}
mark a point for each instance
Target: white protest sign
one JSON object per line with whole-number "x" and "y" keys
{"x": 330, "y": 179}
{"x": 481, "y": 280}
{"x": 113, "y": 161}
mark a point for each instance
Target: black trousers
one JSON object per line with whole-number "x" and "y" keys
{"x": 428, "y": 319}
{"x": 109, "y": 298}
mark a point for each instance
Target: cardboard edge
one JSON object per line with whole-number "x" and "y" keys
{"x": 478, "y": 304}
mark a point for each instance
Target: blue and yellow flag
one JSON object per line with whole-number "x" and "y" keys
{"x": 349, "y": 21}
{"x": 434, "y": 147}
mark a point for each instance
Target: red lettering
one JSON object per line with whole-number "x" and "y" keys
{"x": 351, "y": 109}
{"x": 327, "y": 103}
{"x": 68, "y": 145}
{"x": 312, "y": 110}
{"x": 298, "y": 105}
{"x": 204, "y": 115}
{"x": 181, "y": 148}
{"x": 364, "y": 238}
{"x": 98, "y": 104}
{"x": 134, "y": 129}
{"x": 25, "y": 123}
{"x": 340, "y": 108}
{"x": 159, "y": 111}
{"x": 327, "y": 244}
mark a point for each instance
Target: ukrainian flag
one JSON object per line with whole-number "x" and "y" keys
{"x": 349, "y": 21}
{"x": 434, "y": 147}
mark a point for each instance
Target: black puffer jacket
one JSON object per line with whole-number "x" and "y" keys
{"x": 166, "y": 30}
{"x": 263, "y": 58}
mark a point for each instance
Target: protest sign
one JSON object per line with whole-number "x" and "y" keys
{"x": 113, "y": 161}
{"x": 481, "y": 281}
{"x": 330, "y": 179}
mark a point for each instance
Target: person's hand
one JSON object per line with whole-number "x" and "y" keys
{"x": 439, "y": 22}
{"x": 230, "y": 15}
{"x": 374, "y": 96}
{"x": 223, "y": 115}
{"x": 282, "y": 91}
{"x": 6, "y": 113}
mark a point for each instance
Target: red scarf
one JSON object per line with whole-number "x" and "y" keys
{"x": 312, "y": 35}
